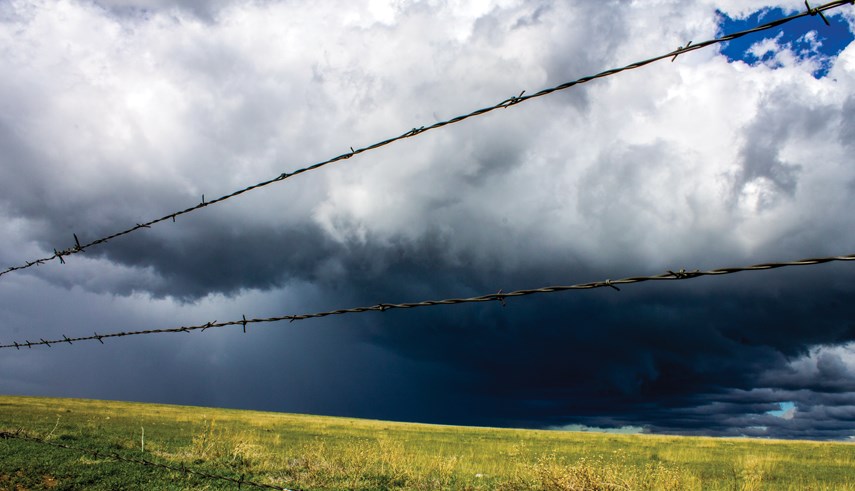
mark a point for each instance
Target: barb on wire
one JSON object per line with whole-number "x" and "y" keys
{"x": 514, "y": 100}
{"x": 99, "y": 454}
{"x": 813, "y": 11}
{"x": 680, "y": 50}
{"x": 500, "y": 296}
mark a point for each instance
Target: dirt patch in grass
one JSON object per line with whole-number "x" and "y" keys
{"x": 49, "y": 482}
{"x": 5, "y": 482}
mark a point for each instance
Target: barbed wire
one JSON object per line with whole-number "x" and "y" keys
{"x": 500, "y": 296}
{"x": 514, "y": 100}
{"x": 241, "y": 481}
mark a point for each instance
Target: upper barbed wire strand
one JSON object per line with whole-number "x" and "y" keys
{"x": 682, "y": 274}
{"x": 515, "y": 100}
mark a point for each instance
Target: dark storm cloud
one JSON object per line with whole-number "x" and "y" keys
{"x": 655, "y": 356}
{"x": 225, "y": 259}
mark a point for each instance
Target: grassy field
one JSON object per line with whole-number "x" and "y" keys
{"x": 323, "y": 453}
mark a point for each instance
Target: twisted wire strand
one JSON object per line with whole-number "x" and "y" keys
{"x": 669, "y": 275}
{"x": 81, "y": 247}
{"x": 242, "y": 481}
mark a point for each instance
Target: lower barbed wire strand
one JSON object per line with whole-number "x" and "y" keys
{"x": 492, "y": 297}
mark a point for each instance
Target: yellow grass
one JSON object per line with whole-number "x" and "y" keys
{"x": 325, "y": 453}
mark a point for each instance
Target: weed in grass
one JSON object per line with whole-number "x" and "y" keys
{"x": 554, "y": 472}
{"x": 750, "y": 470}
{"x": 237, "y": 452}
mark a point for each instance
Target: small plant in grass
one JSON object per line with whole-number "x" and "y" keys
{"x": 219, "y": 446}
{"x": 750, "y": 471}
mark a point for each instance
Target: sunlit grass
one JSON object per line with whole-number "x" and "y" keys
{"x": 323, "y": 453}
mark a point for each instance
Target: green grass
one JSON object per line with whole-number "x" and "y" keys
{"x": 324, "y": 453}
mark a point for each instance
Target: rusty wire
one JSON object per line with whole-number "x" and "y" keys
{"x": 669, "y": 275}
{"x": 241, "y": 481}
{"x": 514, "y": 100}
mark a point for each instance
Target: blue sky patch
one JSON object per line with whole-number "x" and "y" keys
{"x": 807, "y": 37}
{"x": 786, "y": 411}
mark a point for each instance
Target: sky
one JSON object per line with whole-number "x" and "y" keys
{"x": 115, "y": 112}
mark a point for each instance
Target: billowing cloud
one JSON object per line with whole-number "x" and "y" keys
{"x": 203, "y": 9}
{"x": 136, "y": 109}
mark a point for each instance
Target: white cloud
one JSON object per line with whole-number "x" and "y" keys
{"x": 193, "y": 108}
{"x": 595, "y": 429}
{"x": 833, "y": 366}
{"x": 744, "y": 8}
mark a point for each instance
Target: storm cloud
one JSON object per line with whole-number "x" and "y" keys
{"x": 122, "y": 111}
